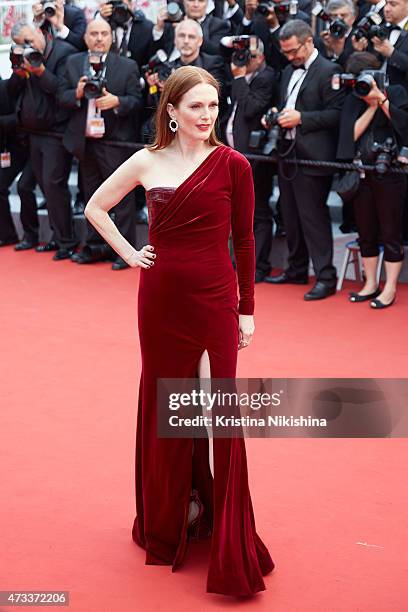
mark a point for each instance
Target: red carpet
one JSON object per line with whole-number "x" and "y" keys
{"x": 332, "y": 512}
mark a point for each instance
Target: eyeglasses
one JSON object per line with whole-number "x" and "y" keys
{"x": 293, "y": 51}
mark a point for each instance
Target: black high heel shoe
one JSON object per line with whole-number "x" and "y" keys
{"x": 356, "y": 297}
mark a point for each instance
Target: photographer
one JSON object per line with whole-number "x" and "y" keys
{"x": 15, "y": 158}
{"x": 337, "y": 41}
{"x": 309, "y": 116}
{"x": 380, "y": 117}
{"x": 213, "y": 28}
{"x": 264, "y": 19}
{"x": 64, "y": 21}
{"x": 102, "y": 90}
{"x": 34, "y": 86}
{"x": 254, "y": 90}
{"x": 131, "y": 31}
{"x": 393, "y": 50}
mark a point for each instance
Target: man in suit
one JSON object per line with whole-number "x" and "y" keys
{"x": 267, "y": 28}
{"x": 134, "y": 37}
{"x": 394, "y": 50}
{"x": 310, "y": 112}
{"x": 15, "y": 159}
{"x": 97, "y": 119}
{"x": 34, "y": 86}
{"x": 335, "y": 48}
{"x": 68, "y": 23}
{"x": 254, "y": 90}
{"x": 188, "y": 40}
{"x": 213, "y": 28}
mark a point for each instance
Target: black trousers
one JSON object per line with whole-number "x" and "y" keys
{"x": 99, "y": 162}
{"x": 263, "y": 219}
{"x": 52, "y": 163}
{"x": 306, "y": 217}
{"x": 20, "y": 162}
{"x": 378, "y": 208}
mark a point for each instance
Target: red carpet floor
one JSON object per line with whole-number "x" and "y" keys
{"x": 332, "y": 512}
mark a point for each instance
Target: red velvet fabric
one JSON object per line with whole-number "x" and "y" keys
{"x": 188, "y": 303}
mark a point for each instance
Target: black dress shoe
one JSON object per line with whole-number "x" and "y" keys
{"x": 356, "y": 297}
{"x": 120, "y": 264}
{"x": 319, "y": 291}
{"x": 80, "y": 258}
{"x": 46, "y": 248}
{"x": 63, "y": 254}
{"x": 378, "y": 305}
{"x": 8, "y": 242}
{"x": 285, "y": 278}
{"x": 26, "y": 244}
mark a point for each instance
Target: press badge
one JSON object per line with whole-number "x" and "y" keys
{"x": 97, "y": 127}
{"x": 5, "y": 159}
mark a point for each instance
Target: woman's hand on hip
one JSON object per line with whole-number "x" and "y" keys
{"x": 143, "y": 258}
{"x": 246, "y": 330}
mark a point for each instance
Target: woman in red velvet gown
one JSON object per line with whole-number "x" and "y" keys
{"x": 198, "y": 191}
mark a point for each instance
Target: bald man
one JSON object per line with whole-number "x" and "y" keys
{"x": 107, "y": 116}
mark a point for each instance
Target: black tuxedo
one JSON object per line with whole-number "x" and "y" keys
{"x": 320, "y": 106}
{"x": 236, "y": 18}
{"x": 303, "y": 190}
{"x": 139, "y": 47}
{"x": 397, "y": 63}
{"x": 122, "y": 77}
{"x": 251, "y": 100}
{"x": 98, "y": 159}
{"x": 75, "y": 20}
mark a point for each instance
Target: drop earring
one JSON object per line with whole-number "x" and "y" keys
{"x": 173, "y": 125}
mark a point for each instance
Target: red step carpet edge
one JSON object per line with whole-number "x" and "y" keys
{"x": 332, "y": 512}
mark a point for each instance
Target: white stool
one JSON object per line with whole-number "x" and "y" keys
{"x": 352, "y": 255}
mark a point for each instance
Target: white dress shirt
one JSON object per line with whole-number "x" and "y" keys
{"x": 294, "y": 86}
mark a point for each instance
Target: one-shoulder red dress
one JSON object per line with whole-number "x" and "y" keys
{"x": 188, "y": 303}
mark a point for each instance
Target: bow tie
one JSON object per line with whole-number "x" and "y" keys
{"x": 301, "y": 67}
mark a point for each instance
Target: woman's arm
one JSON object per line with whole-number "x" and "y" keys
{"x": 364, "y": 121}
{"x": 242, "y": 223}
{"x": 110, "y": 193}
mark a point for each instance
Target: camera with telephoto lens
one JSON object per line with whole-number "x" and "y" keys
{"x": 337, "y": 27}
{"x": 18, "y": 53}
{"x": 245, "y": 47}
{"x": 120, "y": 13}
{"x": 267, "y": 140}
{"x": 159, "y": 65}
{"x": 383, "y": 155}
{"x": 174, "y": 13}
{"x": 94, "y": 86}
{"x": 362, "y": 83}
{"x": 49, "y": 8}
{"x": 370, "y": 26}
{"x": 283, "y": 10}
